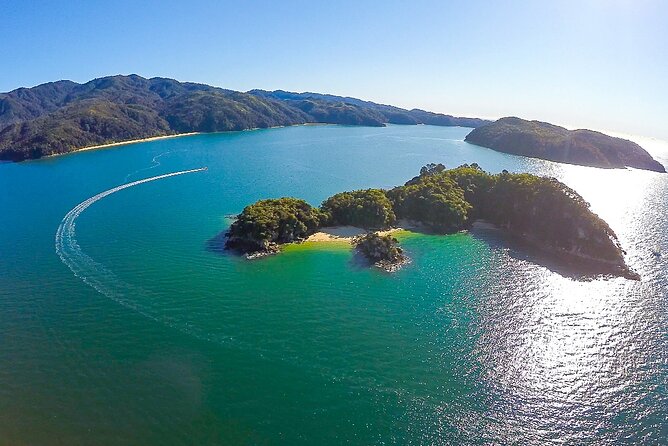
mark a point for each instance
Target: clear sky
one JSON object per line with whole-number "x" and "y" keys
{"x": 590, "y": 63}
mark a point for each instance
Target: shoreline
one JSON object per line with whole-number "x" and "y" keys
{"x": 565, "y": 261}
{"x": 122, "y": 143}
{"x": 344, "y": 233}
{"x": 176, "y": 135}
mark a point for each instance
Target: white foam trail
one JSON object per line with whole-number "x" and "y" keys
{"x": 91, "y": 272}
{"x": 154, "y": 163}
{"x": 108, "y": 284}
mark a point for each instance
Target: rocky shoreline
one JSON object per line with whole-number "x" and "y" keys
{"x": 563, "y": 258}
{"x": 348, "y": 234}
{"x": 541, "y": 212}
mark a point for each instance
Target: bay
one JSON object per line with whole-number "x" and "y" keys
{"x": 172, "y": 342}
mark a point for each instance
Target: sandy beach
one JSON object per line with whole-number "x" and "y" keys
{"x": 132, "y": 141}
{"x": 344, "y": 234}
{"x": 123, "y": 143}
{"x": 155, "y": 138}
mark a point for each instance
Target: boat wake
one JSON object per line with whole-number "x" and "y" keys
{"x": 154, "y": 163}
{"x": 133, "y": 297}
{"x": 93, "y": 273}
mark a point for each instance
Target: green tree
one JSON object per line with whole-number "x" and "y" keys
{"x": 435, "y": 200}
{"x": 273, "y": 221}
{"x": 369, "y": 208}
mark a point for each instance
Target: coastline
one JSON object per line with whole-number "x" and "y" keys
{"x": 176, "y": 135}
{"x": 344, "y": 233}
{"x": 122, "y": 143}
{"x": 562, "y": 260}
{"x": 565, "y": 261}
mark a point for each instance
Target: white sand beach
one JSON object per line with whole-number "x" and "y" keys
{"x": 343, "y": 233}
{"x": 122, "y": 143}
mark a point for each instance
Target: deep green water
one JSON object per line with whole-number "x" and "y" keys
{"x": 162, "y": 340}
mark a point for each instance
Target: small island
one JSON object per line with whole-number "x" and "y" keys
{"x": 382, "y": 251}
{"x": 540, "y": 211}
{"x": 537, "y": 139}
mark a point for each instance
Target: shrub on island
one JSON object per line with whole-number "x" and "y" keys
{"x": 369, "y": 209}
{"x": 540, "y": 210}
{"x": 381, "y": 250}
{"x": 266, "y": 223}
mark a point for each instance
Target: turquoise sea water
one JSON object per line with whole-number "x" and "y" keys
{"x": 160, "y": 339}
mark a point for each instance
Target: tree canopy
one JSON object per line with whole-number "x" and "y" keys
{"x": 369, "y": 209}
{"x": 435, "y": 200}
{"x": 270, "y": 221}
{"x": 379, "y": 249}
{"x": 550, "y": 142}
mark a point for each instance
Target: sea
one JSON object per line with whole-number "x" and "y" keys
{"x": 123, "y": 322}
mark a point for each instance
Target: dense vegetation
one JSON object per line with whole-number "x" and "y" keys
{"x": 380, "y": 112}
{"x": 550, "y": 142}
{"x": 81, "y": 124}
{"x": 435, "y": 201}
{"x": 369, "y": 209}
{"x": 381, "y": 250}
{"x": 62, "y": 116}
{"x": 216, "y": 111}
{"x": 266, "y": 223}
{"x": 551, "y": 215}
{"x": 539, "y": 210}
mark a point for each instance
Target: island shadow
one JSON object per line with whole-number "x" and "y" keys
{"x": 519, "y": 249}
{"x": 216, "y": 245}
{"x": 358, "y": 262}
{"x": 494, "y": 237}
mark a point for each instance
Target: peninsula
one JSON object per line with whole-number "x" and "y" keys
{"x": 550, "y": 142}
{"x": 64, "y": 116}
{"x": 540, "y": 211}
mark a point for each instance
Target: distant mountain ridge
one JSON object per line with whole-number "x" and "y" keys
{"x": 550, "y": 142}
{"x": 391, "y": 114}
{"x": 63, "y": 116}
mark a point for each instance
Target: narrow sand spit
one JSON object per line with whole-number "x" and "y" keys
{"x": 343, "y": 233}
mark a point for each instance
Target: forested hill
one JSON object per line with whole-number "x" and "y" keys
{"x": 550, "y": 142}
{"x": 63, "y": 116}
{"x": 388, "y": 113}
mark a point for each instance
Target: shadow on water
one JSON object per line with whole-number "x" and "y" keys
{"x": 495, "y": 238}
{"x": 216, "y": 245}
{"x": 519, "y": 249}
{"x": 358, "y": 262}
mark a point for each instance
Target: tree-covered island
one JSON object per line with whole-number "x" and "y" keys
{"x": 382, "y": 251}
{"x": 262, "y": 226}
{"x": 546, "y": 141}
{"x": 541, "y": 211}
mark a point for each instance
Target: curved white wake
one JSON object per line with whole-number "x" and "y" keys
{"x": 108, "y": 284}
{"x": 91, "y": 272}
{"x": 154, "y": 163}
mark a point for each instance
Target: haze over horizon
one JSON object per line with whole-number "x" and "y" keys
{"x": 593, "y": 63}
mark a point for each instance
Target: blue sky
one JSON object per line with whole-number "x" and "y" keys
{"x": 591, "y": 63}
